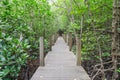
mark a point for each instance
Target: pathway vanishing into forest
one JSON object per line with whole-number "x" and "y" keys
{"x": 60, "y": 64}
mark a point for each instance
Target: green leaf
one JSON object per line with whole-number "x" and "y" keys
{"x": 106, "y": 54}
{"x": 4, "y": 72}
{"x": 118, "y": 70}
{"x": 2, "y": 58}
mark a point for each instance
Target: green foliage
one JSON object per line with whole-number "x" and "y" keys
{"x": 46, "y": 46}
{"x": 13, "y": 54}
{"x": 73, "y": 27}
{"x": 96, "y": 16}
{"x": 22, "y": 22}
{"x": 21, "y": 25}
{"x": 118, "y": 70}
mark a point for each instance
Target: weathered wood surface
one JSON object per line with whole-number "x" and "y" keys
{"x": 60, "y": 64}
{"x": 41, "y": 51}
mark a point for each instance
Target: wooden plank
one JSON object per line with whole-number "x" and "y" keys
{"x": 61, "y": 73}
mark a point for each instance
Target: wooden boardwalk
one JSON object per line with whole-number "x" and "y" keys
{"x": 60, "y": 64}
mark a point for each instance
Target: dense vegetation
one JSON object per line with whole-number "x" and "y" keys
{"x": 22, "y": 22}
{"x": 21, "y": 25}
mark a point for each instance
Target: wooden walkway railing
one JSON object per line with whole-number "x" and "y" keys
{"x": 60, "y": 64}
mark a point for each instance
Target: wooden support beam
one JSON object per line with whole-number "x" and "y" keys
{"x": 70, "y": 41}
{"x": 53, "y": 39}
{"x": 63, "y": 35}
{"x": 41, "y": 51}
{"x": 50, "y": 42}
{"x": 78, "y": 51}
{"x": 67, "y": 38}
{"x": 57, "y": 35}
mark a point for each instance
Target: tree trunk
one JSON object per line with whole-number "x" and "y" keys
{"x": 115, "y": 26}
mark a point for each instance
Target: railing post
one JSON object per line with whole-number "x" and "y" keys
{"x": 67, "y": 39}
{"x": 53, "y": 39}
{"x": 56, "y": 37}
{"x": 70, "y": 41}
{"x": 63, "y": 35}
{"x": 41, "y": 51}
{"x": 78, "y": 51}
{"x": 50, "y": 42}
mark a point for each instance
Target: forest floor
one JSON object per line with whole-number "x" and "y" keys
{"x": 28, "y": 70}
